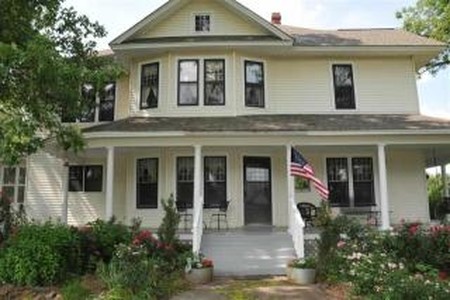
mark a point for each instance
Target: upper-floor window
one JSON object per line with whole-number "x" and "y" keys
{"x": 344, "y": 89}
{"x": 147, "y": 183}
{"x": 351, "y": 181}
{"x": 85, "y": 178}
{"x": 12, "y": 183}
{"x": 254, "y": 84}
{"x": 202, "y": 23}
{"x": 214, "y": 82}
{"x": 188, "y": 82}
{"x": 94, "y": 106}
{"x": 149, "y": 86}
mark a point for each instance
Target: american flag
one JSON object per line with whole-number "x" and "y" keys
{"x": 301, "y": 167}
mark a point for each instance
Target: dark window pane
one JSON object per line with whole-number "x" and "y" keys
{"x": 188, "y": 82}
{"x": 93, "y": 178}
{"x": 88, "y": 103}
{"x": 9, "y": 175}
{"x": 22, "y": 175}
{"x": 107, "y": 103}
{"x": 344, "y": 93}
{"x": 75, "y": 178}
{"x": 337, "y": 176}
{"x": 20, "y": 194}
{"x": 202, "y": 23}
{"x": 8, "y": 192}
{"x": 147, "y": 183}
{"x": 215, "y": 82}
{"x": 254, "y": 84}
{"x": 363, "y": 181}
{"x": 215, "y": 181}
{"x": 149, "y": 85}
{"x": 185, "y": 180}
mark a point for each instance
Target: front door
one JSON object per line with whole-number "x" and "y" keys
{"x": 257, "y": 191}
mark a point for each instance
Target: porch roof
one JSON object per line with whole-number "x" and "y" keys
{"x": 277, "y": 123}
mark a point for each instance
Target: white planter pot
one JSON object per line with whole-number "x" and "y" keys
{"x": 301, "y": 276}
{"x": 200, "y": 276}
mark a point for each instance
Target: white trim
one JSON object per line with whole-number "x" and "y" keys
{"x": 168, "y": 8}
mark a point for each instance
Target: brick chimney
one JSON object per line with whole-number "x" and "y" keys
{"x": 276, "y": 18}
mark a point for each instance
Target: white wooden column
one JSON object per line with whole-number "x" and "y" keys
{"x": 109, "y": 183}
{"x": 290, "y": 184}
{"x": 196, "y": 234}
{"x": 382, "y": 175}
{"x": 444, "y": 180}
{"x": 65, "y": 190}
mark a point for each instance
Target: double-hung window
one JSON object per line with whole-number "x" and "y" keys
{"x": 254, "y": 84}
{"x": 12, "y": 183}
{"x": 185, "y": 180}
{"x": 214, "y": 73}
{"x": 149, "y": 86}
{"x": 95, "y": 105}
{"x": 202, "y": 23}
{"x": 214, "y": 180}
{"x": 344, "y": 89}
{"x": 147, "y": 183}
{"x": 188, "y": 78}
{"x": 351, "y": 181}
{"x": 85, "y": 178}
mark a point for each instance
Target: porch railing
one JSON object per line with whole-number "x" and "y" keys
{"x": 296, "y": 228}
{"x": 197, "y": 227}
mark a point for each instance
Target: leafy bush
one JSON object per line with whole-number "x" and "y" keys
{"x": 40, "y": 254}
{"x": 101, "y": 237}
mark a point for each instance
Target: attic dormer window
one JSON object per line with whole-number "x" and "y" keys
{"x": 202, "y": 23}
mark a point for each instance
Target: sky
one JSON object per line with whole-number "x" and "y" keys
{"x": 434, "y": 91}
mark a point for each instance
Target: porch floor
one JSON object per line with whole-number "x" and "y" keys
{"x": 248, "y": 251}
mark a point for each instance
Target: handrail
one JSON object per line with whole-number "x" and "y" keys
{"x": 197, "y": 227}
{"x": 296, "y": 228}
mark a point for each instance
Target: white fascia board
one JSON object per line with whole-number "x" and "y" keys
{"x": 139, "y": 46}
{"x": 265, "y": 133}
{"x": 433, "y": 50}
{"x": 142, "y": 23}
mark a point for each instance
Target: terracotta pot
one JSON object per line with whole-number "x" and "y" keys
{"x": 200, "y": 276}
{"x": 301, "y": 276}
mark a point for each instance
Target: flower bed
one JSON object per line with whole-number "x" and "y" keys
{"x": 411, "y": 262}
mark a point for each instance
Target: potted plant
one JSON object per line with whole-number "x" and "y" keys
{"x": 302, "y": 270}
{"x": 199, "y": 270}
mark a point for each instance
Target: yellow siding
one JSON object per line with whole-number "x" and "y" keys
{"x": 293, "y": 86}
{"x": 122, "y": 97}
{"x": 181, "y": 23}
{"x": 407, "y": 185}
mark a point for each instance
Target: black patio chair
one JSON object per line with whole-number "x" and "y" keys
{"x": 221, "y": 214}
{"x": 185, "y": 216}
{"x": 308, "y": 211}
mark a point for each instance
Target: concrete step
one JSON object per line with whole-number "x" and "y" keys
{"x": 248, "y": 253}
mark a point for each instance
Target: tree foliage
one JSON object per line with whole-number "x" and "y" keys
{"x": 430, "y": 18}
{"x": 46, "y": 53}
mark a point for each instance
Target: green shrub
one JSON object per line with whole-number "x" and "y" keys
{"x": 40, "y": 254}
{"x": 167, "y": 231}
{"x": 102, "y": 237}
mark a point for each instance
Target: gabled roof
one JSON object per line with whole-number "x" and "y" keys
{"x": 173, "y": 5}
{"x": 357, "y": 37}
{"x": 277, "y": 123}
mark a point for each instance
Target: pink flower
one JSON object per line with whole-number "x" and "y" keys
{"x": 341, "y": 244}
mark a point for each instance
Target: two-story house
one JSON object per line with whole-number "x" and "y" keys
{"x": 213, "y": 100}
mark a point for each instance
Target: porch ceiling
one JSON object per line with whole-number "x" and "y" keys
{"x": 277, "y": 123}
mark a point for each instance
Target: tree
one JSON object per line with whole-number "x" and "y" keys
{"x": 430, "y": 18}
{"x": 47, "y": 53}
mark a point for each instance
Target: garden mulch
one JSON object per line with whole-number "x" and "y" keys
{"x": 259, "y": 288}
